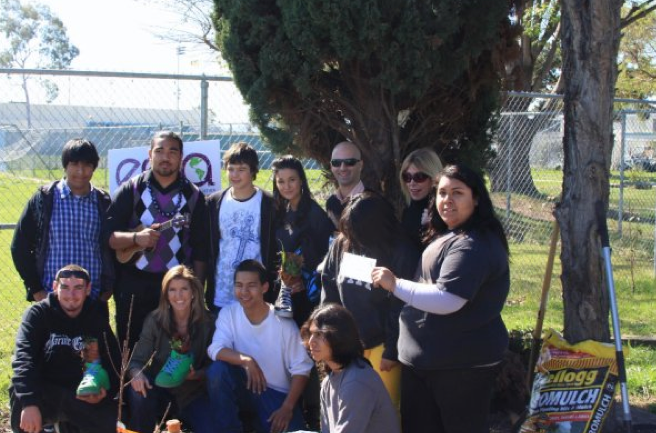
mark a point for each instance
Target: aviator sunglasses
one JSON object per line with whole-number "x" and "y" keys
{"x": 349, "y": 162}
{"x": 418, "y": 177}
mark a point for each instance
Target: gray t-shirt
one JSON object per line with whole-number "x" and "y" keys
{"x": 354, "y": 400}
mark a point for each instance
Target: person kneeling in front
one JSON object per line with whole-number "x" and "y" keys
{"x": 63, "y": 361}
{"x": 260, "y": 363}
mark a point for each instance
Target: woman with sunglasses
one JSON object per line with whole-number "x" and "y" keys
{"x": 353, "y": 398}
{"x": 452, "y": 337}
{"x": 418, "y": 170}
{"x": 369, "y": 228}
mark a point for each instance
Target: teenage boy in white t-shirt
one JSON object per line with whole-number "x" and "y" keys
{"x": 242, "y": 227}
{"x": 260, "y": 363}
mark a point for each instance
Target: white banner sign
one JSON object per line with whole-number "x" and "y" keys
{"x": 201, "y": 163}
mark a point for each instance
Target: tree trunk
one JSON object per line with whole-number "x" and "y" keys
{"x": 590, "y": 42}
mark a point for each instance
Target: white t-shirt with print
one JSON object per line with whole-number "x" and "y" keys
{"x": 239, "y": 225}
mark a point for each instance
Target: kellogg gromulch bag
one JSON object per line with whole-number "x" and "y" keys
{"x": 573, "y": 387}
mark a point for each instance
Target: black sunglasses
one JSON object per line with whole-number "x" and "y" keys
{"x": 349, "y": 162}
{"x": 71, "y": 273}
{"x": 418, "y": 177}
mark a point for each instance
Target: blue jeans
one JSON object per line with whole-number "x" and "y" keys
{"x": 229, "y": 396}
{"x": 146, "y": 412}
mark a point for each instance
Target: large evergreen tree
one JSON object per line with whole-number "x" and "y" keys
{"x": 389, "y": 75}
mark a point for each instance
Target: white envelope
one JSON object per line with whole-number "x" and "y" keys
{"x": 357, "y": 267}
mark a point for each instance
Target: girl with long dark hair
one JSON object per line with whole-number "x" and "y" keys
{"x": 369, "y": 227}
{"x": 303, "y": 228}
{"x": 452, "y": 337}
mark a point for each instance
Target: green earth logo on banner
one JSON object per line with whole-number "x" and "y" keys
{"x": 196, "y": 169}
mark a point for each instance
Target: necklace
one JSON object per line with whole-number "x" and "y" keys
{"x": 177, "y": 201}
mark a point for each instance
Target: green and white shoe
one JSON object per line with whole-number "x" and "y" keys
{"x": 175, "y": 370}
{"x": 95, "y": 378}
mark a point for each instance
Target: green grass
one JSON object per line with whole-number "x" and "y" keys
{"x": 529, "y": 233}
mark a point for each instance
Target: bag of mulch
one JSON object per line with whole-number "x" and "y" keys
{"x": 573, "y": 388}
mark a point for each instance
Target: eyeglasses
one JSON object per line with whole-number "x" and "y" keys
{"x": 418, "y": 177}
{"x": 72, "y": 273}
{"x": 349, "y": 162}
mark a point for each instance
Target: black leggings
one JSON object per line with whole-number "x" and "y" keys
{"x": 446, "y": 401}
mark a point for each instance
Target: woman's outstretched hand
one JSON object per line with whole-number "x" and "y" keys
{"x": 383, "y": 278}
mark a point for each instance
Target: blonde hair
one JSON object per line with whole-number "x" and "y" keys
{"x": 426, "y": 161}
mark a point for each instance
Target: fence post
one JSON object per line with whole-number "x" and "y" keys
{"x": 620, "y": 203}
{"x": 508, "y": 166}
{"x": 204, "y": 86}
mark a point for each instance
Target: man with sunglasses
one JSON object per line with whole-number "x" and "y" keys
{"x": 48, "y": 385}
{"x": 346, "y": 165}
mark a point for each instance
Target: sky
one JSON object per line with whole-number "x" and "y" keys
{"x": 121, "y": 36}
{"x": 118, "y": 35}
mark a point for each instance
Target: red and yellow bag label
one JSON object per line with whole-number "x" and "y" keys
{"x": 573, "y": 388}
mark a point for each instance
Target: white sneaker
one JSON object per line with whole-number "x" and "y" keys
{"x": 283, "y": 305}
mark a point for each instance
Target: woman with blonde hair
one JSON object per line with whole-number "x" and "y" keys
{"x": 418, "y": 170}
{"x": 176, "y": 336}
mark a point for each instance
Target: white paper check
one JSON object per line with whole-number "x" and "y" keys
{"x": 357, "y": 267}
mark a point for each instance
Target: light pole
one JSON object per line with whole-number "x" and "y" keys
{"x": 180, "y": 52}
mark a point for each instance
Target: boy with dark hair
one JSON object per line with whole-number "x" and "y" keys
{"x": 242, "y": 227}
{"x": 80, "y": 150}
{"x": 42, "y": 243}
{"x": 59, "y": 338}
{"x": 260, "y": 363}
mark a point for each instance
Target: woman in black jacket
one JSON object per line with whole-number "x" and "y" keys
{"x": 369, "y": 228}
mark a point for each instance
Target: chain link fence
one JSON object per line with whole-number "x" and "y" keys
{"x": 119, "y": 110}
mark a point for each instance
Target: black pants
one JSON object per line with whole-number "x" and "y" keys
{"x": 59, "y": 404}
{"x": 446, "y": 401}
{"x": 145, "y": 287}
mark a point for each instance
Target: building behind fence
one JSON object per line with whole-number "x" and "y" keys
{"x": 119, "y": 110}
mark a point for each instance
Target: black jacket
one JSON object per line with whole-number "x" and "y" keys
{"x": 376, "y": 312}
{"x": 267, "y": 243}
{"x": 48, "y": 347}
{"x": 31, "y": 237}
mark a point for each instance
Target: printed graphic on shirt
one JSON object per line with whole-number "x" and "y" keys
{"x": 239, "y": 224}
{"x": 56, "y": 340}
